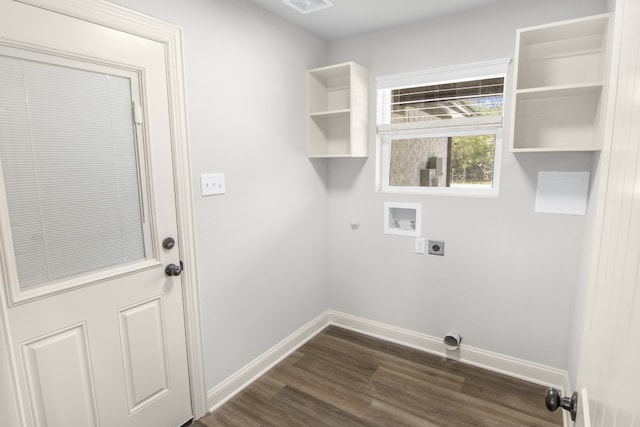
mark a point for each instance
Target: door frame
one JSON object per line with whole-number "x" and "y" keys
{"x": 120, "y": 18}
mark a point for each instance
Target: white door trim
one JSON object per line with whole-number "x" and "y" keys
{"x": 120, "y": 18}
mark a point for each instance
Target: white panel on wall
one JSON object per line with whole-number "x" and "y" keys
{"x": 144, "y": 354}
{"x": 562, "y": 192}
{"x": 60, "y": 379}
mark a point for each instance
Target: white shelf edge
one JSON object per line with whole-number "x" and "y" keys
{"x": 334, "y": 156}
{"x": 560, "y": 88}
{"x": 576, "y": 52}
{"x": 343, "y": 112}
{"x": 559, "y": 24}
{"x": 553, "y": 149}
{"x": 331, "y": 67}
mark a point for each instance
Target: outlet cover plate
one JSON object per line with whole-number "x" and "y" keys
{"x": 436, "y": 247}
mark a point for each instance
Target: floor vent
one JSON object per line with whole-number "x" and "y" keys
{"x": 308, "y": 6}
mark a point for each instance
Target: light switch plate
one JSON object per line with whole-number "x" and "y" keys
{"x": 212, "y": 184}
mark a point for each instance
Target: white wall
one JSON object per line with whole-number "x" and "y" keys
{"x": 262, "y": 246}
{"x": 508, "y": 277}
{"x": 263, "y": 264}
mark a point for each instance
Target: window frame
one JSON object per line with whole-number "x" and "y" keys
{"x": 385, "y": 149}
{"x": 19, "y": 294}
{"x": 386, "y": 132}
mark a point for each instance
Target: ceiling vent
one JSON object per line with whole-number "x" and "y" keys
{"x": 308, "y": 6}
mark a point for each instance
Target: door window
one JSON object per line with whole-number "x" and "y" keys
{"x": 71, "y": 173}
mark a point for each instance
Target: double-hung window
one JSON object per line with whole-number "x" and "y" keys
{"x": 440, "y": 130}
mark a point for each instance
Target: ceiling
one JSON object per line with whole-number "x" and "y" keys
{"x": 349, "y": 18}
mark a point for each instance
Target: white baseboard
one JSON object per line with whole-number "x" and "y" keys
{"x": 245, "y": 376}
{"x": 496, "y": 362}
{"x": 518, "y": 368}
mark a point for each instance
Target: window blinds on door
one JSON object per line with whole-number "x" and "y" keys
{"x": 70, "y": 168}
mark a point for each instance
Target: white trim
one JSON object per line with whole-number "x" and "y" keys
{"x": 476, "y": 70}
{"x": 11, "y": 402}
{"x": 224, "y": 391}
{"x": 583, "y": 409}
{"x": 18, "y": 296}
{"x": 511, "y": 366}
{"x": 496, "y": 362}
{"x": 120, "y": 18}
{"x": 441, "y": 126}
{"x": 113, "y": 16}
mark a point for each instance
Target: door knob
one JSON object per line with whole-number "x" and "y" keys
{"x": 554, "y": 401}
{"x": 168, "y": 243}
{"x": 173, "y": 270}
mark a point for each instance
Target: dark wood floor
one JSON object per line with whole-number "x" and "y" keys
{"x": 342, "y": 378}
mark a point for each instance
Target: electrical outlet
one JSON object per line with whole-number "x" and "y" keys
{"x": 420, "y": 245}
{"x": 212, "y": 183}
{"x": 436, "y": 247}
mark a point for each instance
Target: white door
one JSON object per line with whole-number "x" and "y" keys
{"x": 609, "y": 373}
{"x": 86, "y": 199}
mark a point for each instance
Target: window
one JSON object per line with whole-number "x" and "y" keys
{"x": 70, "y": 165}
{"x": 440, "y": 130}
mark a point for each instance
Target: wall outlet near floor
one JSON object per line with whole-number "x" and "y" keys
{"x": 436, "y": 247}
{"x": 420, "y": 245}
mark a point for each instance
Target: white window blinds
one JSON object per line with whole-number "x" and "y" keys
{"x": 70, "y": 169}
{"x": 470, "y": 96}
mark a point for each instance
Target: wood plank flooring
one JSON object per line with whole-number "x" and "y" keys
{"x": 342, "y": 378}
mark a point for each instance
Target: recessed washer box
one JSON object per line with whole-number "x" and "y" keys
{"x": 403, "y": 219}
